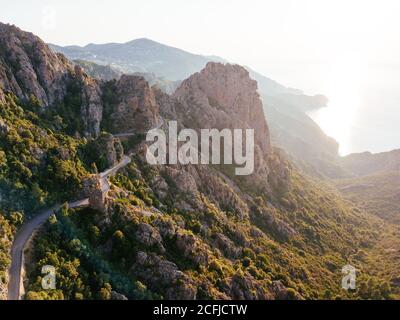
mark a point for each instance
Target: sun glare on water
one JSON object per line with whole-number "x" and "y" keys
{"x": 343, "y": 92}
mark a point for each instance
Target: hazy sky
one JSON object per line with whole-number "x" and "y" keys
{"x": 346, "y": 49}
{"x": 272, "y": 36}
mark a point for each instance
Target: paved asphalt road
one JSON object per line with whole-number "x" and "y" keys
{"x": 24, "y": 234}
{"x": 20, "y": 240}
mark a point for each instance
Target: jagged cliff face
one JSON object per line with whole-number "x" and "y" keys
{"x": 184, "y": 232}
{"x": 29, "y": 69}
{"x": 223, "y": 96}
{"x": 133, "y": 107}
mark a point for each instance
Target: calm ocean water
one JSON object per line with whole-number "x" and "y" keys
{"x": 364, "y": 112}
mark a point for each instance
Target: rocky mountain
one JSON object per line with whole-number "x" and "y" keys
{"x": 140, "y": 55}
{"x": 35, "y": 74}
{"x": 147, "y": 56}
{"x": 285, "y": 107}
{"x": 97, "y": 71}
{"x": 107, "y": 73}
{"x": 130, "y": 105}
{"x": 168, "y": 231}
{"x": 226, "y": 97}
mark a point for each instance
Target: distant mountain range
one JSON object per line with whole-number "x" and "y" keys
{"x": 141, "y": 55}
{"x": 285, "y": 108}
{"x": 166, "y": 67}
{"x": 175, "y": 232}
{"x": 148, "y": 56}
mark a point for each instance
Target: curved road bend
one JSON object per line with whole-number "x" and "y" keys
{"x": 18, "y": 246}
{"x": 125, "y": 160}
{"x": 24, "y": 234}
{"x": 22, "y": 237}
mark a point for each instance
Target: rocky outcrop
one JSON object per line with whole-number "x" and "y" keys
{"x": 226, "y": 245}
{"x": 245, "y": 287}
{"x": 224, "y": 96}
{"x": 191, "y": 248}
{"x": 149, "y": 236}
{"x": 91, "y": 108}
{"x": 33, "y": 72}
{"x": 165, "y": 227}
{"x": 117, "y": 296}
{"x": 106, "y": 151}
{"x": 159, "y": 272}
{"x": 283, "y": 293}
{"x": 136, "y": 109}
{"x": 29, "y": 67}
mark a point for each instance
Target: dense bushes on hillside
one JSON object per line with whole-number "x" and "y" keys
{"x": 81, "y": 271}
{"x": 172, "y": 253}
{"x": 377, "y": 193}
{"x": 37, "y": 162}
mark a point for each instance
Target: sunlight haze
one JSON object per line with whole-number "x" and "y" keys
{"x": 297, "y": 43}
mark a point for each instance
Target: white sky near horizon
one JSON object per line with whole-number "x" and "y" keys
{"x": 264, "y": 34}
{"x": 335, "y": 47}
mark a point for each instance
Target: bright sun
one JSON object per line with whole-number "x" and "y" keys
{"x": 342, "y": 89}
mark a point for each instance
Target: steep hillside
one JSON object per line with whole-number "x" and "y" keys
{"x": 374, "y": 183}
{"x": 97, "y": 71}
{"x": 377, "y": 193}
{"x": 45, "y": 106}
{"x": 36, "y": 75}
{"x": 308, "y": 146}
{"x": 168, "y": 231}
{"x": 291, "y": 128}
{"x": 140, "y": 55}
{"x": 147, "y": 56}
{"x": 185, "y": 232}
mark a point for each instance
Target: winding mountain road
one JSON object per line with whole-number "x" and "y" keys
{"x": 22, "y": 237}
{"x": 109, "y": 172}
{"x": 15, "y": 283}
{"x": 15, "y": 272}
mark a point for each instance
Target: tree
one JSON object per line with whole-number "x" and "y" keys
{"x": 93, "y": 168}
{"x": 16, "y": 218}
{"x": 3, "y": 158}
{"x": 105, "y": 292}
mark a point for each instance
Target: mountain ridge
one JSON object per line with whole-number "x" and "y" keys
{"x": 281, "y": 98}
{"x": 174, "y": 231}
{"x": 79, "y": 52}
